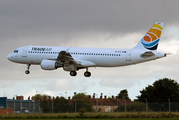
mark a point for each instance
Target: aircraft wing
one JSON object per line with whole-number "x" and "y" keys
{"x": 66, "y": 58}
{"x": 147, "y": 54}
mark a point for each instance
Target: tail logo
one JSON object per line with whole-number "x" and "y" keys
{"x": 151, "y": 39}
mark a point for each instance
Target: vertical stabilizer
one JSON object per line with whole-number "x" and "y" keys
{"x": 151, "y": 39}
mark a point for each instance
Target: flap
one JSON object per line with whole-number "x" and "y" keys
{"x": 86, "y": 63}
{"x": 65, "y": 57}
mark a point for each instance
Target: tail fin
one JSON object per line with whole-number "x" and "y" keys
{"x": 151, "y": 39}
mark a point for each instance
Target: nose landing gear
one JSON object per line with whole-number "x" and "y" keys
{"x": 28, "y": 67}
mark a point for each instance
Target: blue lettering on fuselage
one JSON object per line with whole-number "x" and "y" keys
{"x": 41, "y": 49}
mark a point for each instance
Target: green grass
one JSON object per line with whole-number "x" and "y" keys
{"x": 107, "y": 119}
{"x": 95, "y": 116}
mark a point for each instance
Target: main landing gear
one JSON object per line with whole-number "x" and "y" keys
{"x": 73, "y": 73}
{"x": 86, "y": 74}
{"x": 28, "y": 67}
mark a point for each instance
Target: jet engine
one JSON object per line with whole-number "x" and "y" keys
{"x": 50, "y": 64}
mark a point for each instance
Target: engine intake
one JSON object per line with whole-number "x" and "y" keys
{"x": 50, "y": 64}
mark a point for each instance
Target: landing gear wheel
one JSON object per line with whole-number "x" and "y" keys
{"x": 73, "y": 73}
{"x": 28, "y": 67}
{"x": 87, "y": 74}
{"x": 27, "y": 72}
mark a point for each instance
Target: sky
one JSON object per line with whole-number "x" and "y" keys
{"x": 89, "y": 23}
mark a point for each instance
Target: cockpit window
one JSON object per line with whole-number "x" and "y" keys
{"x": 15, "y": 51}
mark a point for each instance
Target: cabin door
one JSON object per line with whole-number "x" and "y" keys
{"x": 128, "y": 55}
{"x": 24, "y": 52}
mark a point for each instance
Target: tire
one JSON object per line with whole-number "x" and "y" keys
{"x": 73, "y": 73}
{"x": 87, "y": 74}
{"x": 27, "y": 72}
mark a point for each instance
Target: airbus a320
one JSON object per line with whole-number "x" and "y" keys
{"x": 73, "y": 59}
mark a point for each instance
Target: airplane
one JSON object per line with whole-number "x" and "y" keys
{"x": 73, "y": 59}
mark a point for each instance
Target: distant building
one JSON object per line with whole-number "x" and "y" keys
{"x": 103, "y": 104}
{"x": 19, "y": 105}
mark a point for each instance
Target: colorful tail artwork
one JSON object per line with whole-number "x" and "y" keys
{"x": 151, "y": 39}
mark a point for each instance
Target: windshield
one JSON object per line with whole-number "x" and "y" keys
{"x": 15, "y": 51}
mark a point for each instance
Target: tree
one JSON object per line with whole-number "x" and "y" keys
{"x": 45, "y": 106}
{"x": 81, "y": 95}
{"x": 81, "y": 103}
{"x": 60, "y": 105}
{"x": 82, "y": 111}
{"x": 123, "y": 95}
{"x": 132, "y": 107}
{"x": 161, "y": 91}
{"x": 39, "y": 96}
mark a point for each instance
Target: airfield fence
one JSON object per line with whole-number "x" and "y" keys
{"x": 52, "y": 107}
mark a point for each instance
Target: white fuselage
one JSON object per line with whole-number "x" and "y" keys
{"x": 102, "y": 57}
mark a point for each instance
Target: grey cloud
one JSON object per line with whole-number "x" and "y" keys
{"x": 47, "y": 18}
{"x": 117, "y": 82}
{"x": 61, "y": 84}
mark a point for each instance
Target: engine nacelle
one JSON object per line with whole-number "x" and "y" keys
{"x": 50, "y": 65}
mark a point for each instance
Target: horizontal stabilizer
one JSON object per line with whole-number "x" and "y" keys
{"x": 147, "y": 54}
{"x": 168, "y": 53}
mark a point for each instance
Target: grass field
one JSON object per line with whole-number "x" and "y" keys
{"x": 107, "y": 119}
{"x": 96, "y": 116}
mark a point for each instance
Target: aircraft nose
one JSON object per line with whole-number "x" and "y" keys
{"x": 9, "y": 57}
